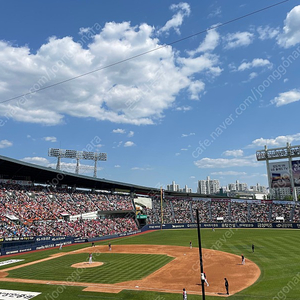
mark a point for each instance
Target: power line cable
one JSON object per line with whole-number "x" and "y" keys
{"x": 146, "y": 52}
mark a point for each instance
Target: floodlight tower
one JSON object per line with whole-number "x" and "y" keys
{"x": 95, "y": 156}
{"x": 287, "y": 152}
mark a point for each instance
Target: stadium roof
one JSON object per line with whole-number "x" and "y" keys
{"x": 19, "y": 170}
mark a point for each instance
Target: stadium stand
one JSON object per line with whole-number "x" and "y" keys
{"x": 38, "y": 210}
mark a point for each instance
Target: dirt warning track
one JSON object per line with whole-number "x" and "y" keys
{"x": 182, "y": 272}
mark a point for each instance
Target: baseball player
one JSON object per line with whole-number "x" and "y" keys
{"x": 243, "y": 259}
{"x": 184, "y": 294}
{"x": 226, "y": 286}
{"x": 191, "y": 246}
{"x": 205, "y": 279}
{"x": 60, "y": 247}
{"x": 90, "y": 258}
{"x": 109, "y": 246}
{"x": 252, "y": 247}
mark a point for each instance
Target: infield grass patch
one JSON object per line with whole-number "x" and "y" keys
{"x": 116, "y": 268}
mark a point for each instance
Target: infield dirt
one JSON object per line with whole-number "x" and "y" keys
{"x": 182, "y": 272}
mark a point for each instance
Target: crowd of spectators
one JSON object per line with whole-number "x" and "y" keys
{"x": 184, "y": 211}
{"x": 203, "y": 209}
{"x": 259, "y": 212}
{"x": 282, "y": 210}
{"x": 39, "y": 210}
{"x": 239, "y": 212}
{"x": 219, "y": 209}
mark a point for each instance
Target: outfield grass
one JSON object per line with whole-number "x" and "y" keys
{"x": 277, "y": 254}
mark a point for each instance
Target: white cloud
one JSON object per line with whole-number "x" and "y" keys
{"x": 285, "y": 80}
{"x": 122, "y": 131}
{"x": 291, "y": 30}
{"x": 206, "y": 163}
{"x": 267, "y": 32}
{"x": 129, "y": 144}
{"x": 215, "y": 13}
{"x": 195, "y": 89}
{"x": 68, "y": 167}
{"x": 188, "y": 134}
{"x": 238, "y": 39}
{"x": 183, "y": 108}
{"x": 71, "y": 167}
{"x": 117, "y": 166}
{"x": 210, "y": 42}
{"x": 235, "y": 153}
{"x": 51, "y": 139}
{"x": 130, "y": 134}
{"x": 276, "y": 142}
{"x": 184, "y": 149}
{"x": 205, "y": 63}
{"x": 5, "y": 144}
{"x": 177, "y": 19}
{"x": 287, "y": 97}
{"x": 121, "y": 98}
{"x": 141, "y": 169}
{"x": 229, "y": 173}
{"x": 256, "y": 62}
{"x": 37, "y": 160}
{"x": 252, "y": 75}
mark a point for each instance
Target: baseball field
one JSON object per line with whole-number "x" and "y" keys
{"x": 158, "y": 265}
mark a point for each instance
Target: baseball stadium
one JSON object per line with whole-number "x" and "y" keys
{"x": 142, "y": 242}
{"x": 174, "y": 91}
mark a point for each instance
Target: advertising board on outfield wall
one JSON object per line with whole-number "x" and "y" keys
{"x": 222, "y": 225}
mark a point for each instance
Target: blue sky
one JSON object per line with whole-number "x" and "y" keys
{"x": 199, "y": 107}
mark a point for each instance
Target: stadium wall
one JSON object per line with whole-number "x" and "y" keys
{"x": 15, "y": 245}
{"x": 222, "y": 225}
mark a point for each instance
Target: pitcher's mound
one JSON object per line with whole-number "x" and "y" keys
{"x": 87, "y": 265}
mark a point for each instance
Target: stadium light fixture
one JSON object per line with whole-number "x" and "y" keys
{"x": 74, "y": 154}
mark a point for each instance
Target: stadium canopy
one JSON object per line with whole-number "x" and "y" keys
{"x": 13, "y": 169}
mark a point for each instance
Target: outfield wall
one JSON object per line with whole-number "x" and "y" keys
{"x": 222, "y": 225}
{"x": 15, "y": 245}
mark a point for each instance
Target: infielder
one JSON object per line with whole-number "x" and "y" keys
{"x": 205, "y": 279}
{"x": 226, "y": 286}
{"x": 184, "y": 294}
{"x": 243, "y": 259}
{"x": 90, "y": 258}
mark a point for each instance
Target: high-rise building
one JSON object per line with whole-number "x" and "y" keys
{"x": 258, "y": 188}
{"x": 173, "y": 187}
{"x": 186, "y": 189}
{"x": 237, "y": 186}
{"x": 208, "y": 186}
